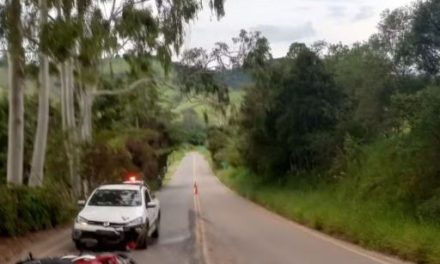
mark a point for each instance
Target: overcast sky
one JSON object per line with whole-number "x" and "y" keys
{"x": 287, "y": 21}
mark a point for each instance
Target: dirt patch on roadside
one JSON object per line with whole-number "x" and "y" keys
{"x": 13, "y": 247}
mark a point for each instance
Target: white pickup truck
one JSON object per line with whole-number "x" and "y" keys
{"x": 120, "y": 214}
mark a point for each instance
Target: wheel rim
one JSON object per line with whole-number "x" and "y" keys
{"x": 143, "y": 237}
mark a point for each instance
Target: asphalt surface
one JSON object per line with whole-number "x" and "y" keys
{"x": 216, "y": 226}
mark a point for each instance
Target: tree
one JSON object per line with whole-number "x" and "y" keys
{"x": 16, "y": 62}
{"x": 81, "y": 37}
{"x": 306, "y": 112}
{"x": 148, "y": 34}
{"x": 426, "y": 32}
{"x": 289, "y": 117}
{"x": 197, "y": 74}
{"x": 395, "y": 39}
{"x": 367, "y": 80}
{"x": 295, "y": 49}
{"x": 40, "y": 143}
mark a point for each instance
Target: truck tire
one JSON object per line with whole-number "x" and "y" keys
{"x": 142, "y": 241}
{"x": 156, "y": 231}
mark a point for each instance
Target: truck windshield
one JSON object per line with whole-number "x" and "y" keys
{"x": 116, "y": 198}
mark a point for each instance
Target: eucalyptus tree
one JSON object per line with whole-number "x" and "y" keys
{"x": 85, "y": 34}
{"x": 395, "y": 39}
{"x": 142, "y": 31}
{"x": 12, "y": 11}
{"x": 426, "y": 31}
{"x": 40, "y": 142}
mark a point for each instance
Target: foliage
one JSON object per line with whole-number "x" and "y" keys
{"x": 132, "y": 132}
{"x": 367, "y": 81}
{"x": 217, "y": 139}
{"x": 289, "y": 117}
{"x": 192, "y": 127}
{"x": 345, "y": 138}
{"x": 115, "y": 153}
{"x": 27, "y": 209}
{"x": 372, "y": 222}
{"x": 395, "y": 38}
{"x": 425, "y": 33}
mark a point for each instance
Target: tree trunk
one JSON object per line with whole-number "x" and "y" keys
{"x": 85, "y": 125}
{"x": 73, "y": 131}
{"x": 70, "y": 99}
{"x": 40, "y": 143}
{"x": 68, "y": 122}
{"x": 62, "y": 70}
{"x": 73, "y": 150}
{"x": 16, "y": 93}
{"x": 86, "y": 115}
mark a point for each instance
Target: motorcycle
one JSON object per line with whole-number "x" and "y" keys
{"x": 107, "y": 258}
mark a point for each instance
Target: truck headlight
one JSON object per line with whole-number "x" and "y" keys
{"x": 81, "y": 220}
{"x": 135, "y": 222}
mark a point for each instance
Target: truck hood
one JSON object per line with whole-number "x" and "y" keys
{"x": 112, "y": 214}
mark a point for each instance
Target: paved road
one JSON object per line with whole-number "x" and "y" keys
{"x": 219, "y": 227}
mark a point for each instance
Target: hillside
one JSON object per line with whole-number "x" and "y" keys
{"x": 235, "y": 79}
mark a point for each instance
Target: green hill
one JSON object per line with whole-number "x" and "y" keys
{"x": 235, "y": 78}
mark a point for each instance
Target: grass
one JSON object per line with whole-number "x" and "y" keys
{"x": 367, "y": 223}
{"x": 174, "y": 160}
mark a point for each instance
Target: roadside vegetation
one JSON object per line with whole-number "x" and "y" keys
{"x": 371, "y": 223}
{"x": 87, "y": 94}
{"x": 344, "y": 138}
{"x": 341, "y": 138}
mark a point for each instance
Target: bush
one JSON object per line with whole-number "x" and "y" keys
{"x": 103, "y": 164}
{"x": 27, "y": 209}
{"x": 113, "y": 154}
{"x": 217, "y": 139}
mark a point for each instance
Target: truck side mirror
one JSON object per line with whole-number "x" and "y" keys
{"x": 151, "y": 205}
{"x": 81, "y": 202}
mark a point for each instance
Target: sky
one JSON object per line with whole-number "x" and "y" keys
{"x": 286, "y": 21}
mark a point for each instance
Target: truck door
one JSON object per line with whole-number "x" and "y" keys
{"x": 151, "y": 211}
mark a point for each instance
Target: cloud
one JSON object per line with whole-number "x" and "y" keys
{"x": 335, "y": 0}
{"x": 364, "y": 12}
{"x": 336, "y": 11}
{"x": 277, "y": 33}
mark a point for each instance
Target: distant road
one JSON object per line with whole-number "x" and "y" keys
{"x": 217, "y": 226}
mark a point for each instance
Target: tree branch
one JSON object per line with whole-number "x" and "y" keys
{"x": 130, "y": 88}
{"x": 118, "y": 11}
{"x": 113, "y": 8}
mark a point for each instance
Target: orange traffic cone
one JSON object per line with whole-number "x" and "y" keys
{"x": 196, "y": 191}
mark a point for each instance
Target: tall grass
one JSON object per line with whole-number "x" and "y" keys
{"x": 25, "y": 209}
{"x": 370, "y": 223}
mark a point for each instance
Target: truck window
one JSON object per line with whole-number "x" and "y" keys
{"x": 147, "y": 197}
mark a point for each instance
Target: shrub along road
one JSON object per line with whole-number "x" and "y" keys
{"x": 218, "y": 226}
